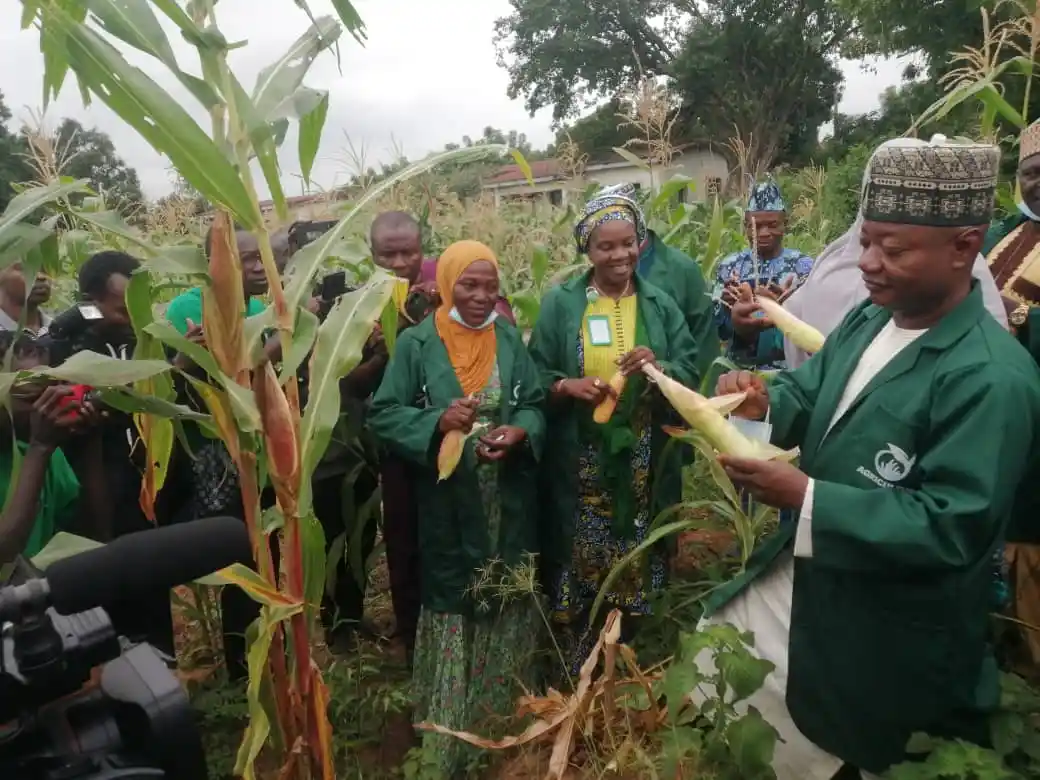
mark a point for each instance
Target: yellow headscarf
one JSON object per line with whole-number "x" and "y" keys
{"x": 472, "y": 351}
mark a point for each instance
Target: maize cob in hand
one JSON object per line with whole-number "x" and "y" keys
{"x": 452, "y": 446}
{"x": 705, "y": 415}
{"x": 802, "y": 335}
{"x": 606, "y": 407}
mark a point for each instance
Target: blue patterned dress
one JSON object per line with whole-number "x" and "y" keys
{"x": 767, "y": 352}
{"x": 596, "y": 549}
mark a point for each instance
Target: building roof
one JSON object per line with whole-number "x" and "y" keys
{"x": 304, "y": 200}
{"x": 540, "y": 169}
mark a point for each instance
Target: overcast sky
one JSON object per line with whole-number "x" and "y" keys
{"x": 426, "y": 77}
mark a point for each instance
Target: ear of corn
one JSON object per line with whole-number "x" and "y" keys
{"x": 607, "y": 405}
{"x": 704, "y": 416}
{"x": 452, "y": 446}
{"x": 802, "y": 335}
{"x": 400, "y": 294}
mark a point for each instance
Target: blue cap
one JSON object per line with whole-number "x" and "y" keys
{"x": 765, "y": 196}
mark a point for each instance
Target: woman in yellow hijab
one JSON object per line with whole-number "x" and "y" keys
{"x": 466, "y": 369}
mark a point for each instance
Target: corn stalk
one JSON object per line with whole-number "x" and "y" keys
{"x": 255, "y": 413}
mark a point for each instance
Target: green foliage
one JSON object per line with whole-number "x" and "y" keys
{"x": 13, "y": 167}
{"x": 568, "y": 54}
{"x": 712, "y": 735}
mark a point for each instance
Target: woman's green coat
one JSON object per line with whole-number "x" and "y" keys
{"x": 554, "y": 347}
{"x": 419, "y": 385}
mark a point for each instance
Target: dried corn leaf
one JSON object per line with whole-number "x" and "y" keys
{"x": 564, "y": 713}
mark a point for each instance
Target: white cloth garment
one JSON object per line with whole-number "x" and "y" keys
{"x": 835, "y": 286}
{"x": 764, "y": 607}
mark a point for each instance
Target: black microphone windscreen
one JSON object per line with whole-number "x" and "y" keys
{"x": 146, "y": 562}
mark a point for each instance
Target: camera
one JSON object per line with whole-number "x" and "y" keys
{"x": 77, "y": 702}
{"x": 67, "y": 330}
{"x": 303, "y": 233}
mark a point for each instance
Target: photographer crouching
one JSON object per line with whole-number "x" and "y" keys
{"x": 100, "y": 323}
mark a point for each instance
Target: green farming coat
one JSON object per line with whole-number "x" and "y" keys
{"x": 889, "y": 625}
{"x": 554, "y": 347}
{"x": 676, "y": 273}
{"x": 418, "y": 386}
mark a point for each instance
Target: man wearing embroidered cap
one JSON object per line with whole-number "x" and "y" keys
{"x": 765, "y": 268}
{"x": 915, "y": 423}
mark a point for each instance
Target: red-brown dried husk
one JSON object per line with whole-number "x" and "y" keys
{"x": 223, "y": 300}
{"x": 281, "y": 429}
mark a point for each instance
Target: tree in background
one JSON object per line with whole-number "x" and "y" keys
{"x": 761, "y": 69}
{"x": 92, "y": 155}
{"x": 13, "y": 167}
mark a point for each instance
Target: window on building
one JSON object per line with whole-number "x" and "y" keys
{"x": 556, "y": 197}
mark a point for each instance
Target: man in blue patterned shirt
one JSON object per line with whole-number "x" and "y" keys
{"x": 765, "y": 268}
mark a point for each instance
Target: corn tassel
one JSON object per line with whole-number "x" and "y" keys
{"x": 607, "y": 405}
{"x": 802, "y": 335}
{"x": 705, "y": 415}
{"x": 452, "y": 446}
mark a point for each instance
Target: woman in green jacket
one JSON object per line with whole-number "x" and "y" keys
{"x": 603, "y": 484}
{"x": 461, "y": 368}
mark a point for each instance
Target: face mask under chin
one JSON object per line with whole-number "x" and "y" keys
{"x": 487, "y": 323}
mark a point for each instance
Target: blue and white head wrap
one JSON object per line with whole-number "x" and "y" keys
{"x": 611, "y": 203}
{"x": 765, "y": 196}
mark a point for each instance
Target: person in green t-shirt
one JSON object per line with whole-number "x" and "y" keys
{"x": 43, "y": 498}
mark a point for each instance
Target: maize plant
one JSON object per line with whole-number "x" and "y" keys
{"x": 252, "y": 408}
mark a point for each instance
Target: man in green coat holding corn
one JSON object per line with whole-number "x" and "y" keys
{"x": 916, "y": 422}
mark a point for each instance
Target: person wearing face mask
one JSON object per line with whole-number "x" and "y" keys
{"x": 767, "y": 269}
{"x": 596, "y": 478}
{"x": 462, "y": 368}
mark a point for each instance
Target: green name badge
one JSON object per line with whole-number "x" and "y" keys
{"x": 599, "y": 331}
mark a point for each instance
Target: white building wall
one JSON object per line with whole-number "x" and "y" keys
{"x": 707, "y": 169}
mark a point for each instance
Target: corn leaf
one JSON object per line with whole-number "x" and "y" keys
{"x": 635, "y": 159}
{"x": 313, "y": 256}
{"x": 241, "y": 398}
{"x": 279, "y": 81}
{"x": 130, "y": 401}
{"x": 523, "y": 165}
{"x": 31, "y": 199}
{"x": 312, "y": 544}
{"x": 341, "y": 338}
{"x": 264, "y": 143}
{"x": 351, "y": 19}
{"x": 92, "y": 368}
{"x": 320, "y": 736}
{"x": 146, "y": 107}
{"x": 259, "y": 725}
{"x": 134, "y": 23}
{"x": 20, "y": 239}
{"x": 304, "y": 334}
{"x": 311, "y": 125}
{"x": 670, "y": 190}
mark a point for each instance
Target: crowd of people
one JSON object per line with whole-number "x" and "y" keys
{"x": 908, "y": 520}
